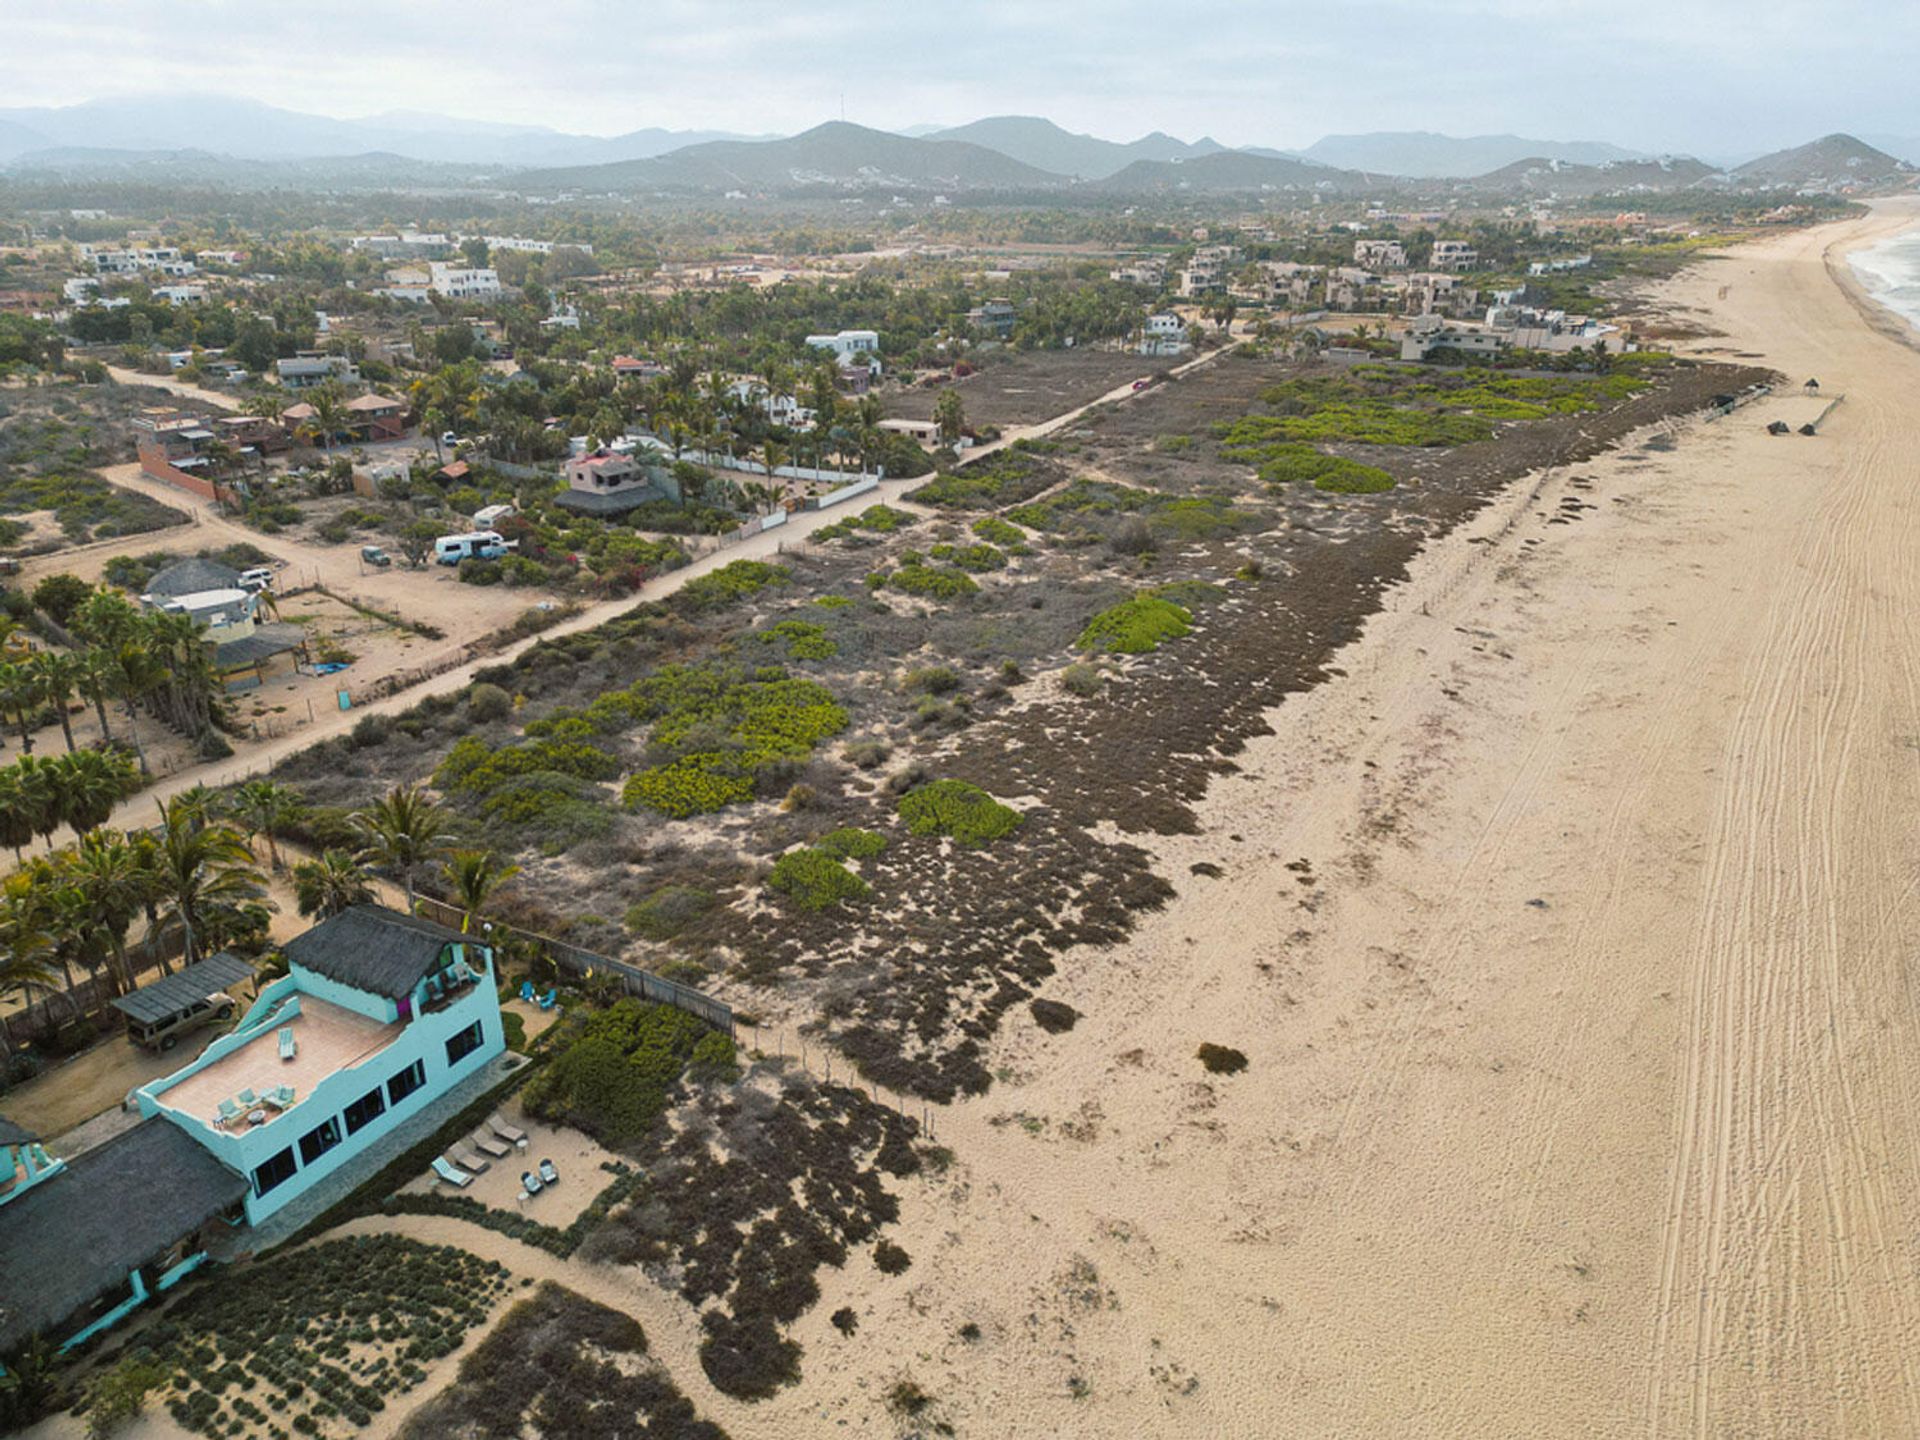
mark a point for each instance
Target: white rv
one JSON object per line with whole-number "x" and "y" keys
{"x": 473, "y": 545}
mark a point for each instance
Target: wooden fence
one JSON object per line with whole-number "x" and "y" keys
{"x": 583, "y": 963}
{"x": 43, "y": 1018}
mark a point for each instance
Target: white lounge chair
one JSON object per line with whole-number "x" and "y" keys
{"x": 281, "y": 1095}
{"x": 247, "y": 1098}
{"x": 228, "y": 1110}
{"x": 459, "y": 1179}
{"x": 506, "y": 1132}
{"x": 289, "y": 1047}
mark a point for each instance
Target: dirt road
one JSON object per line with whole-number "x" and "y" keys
{"x": 1567, "y": 940}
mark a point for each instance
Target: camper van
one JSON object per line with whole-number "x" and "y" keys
{"x": 474, "y": 545}
{"x": 492, "y": 515}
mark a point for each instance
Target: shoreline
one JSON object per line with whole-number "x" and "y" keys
{"x": 1879, "y": 316}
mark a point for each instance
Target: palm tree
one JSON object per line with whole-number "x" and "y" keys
{"x": 138, "y": 672}
{"x": 328, "y": 885}
{"x": 329, "y": 412}
{"x": 88, "y": 784}
{"x": 206, "y": 875}
{"x": 94, "y": 678}
{"x": 18, "y": 811}
{"x": 403, "y": 829}
{"x": 40, "y": 787}
{"x": 107, "y": 870}
{"x": 473, "y": 876}
{"x": 23, "y": 953}
{"x": 58, "y": 676}
{"x": 19, "y": 694}
{"x": 266, "y": 808}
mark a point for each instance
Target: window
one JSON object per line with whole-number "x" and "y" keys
{"x": 465, "y": 1043}
{"x": 407, "y": 1081}
{"x": 364, "y": 1111}
{"x": 276, "y": 1171}
{"x": 317, "y": 1141}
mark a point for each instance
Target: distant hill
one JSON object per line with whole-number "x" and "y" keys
{"x": 836, "y": 154}
{"x": 372, "y": 171}
{"x": 1230, "y": 171}
{"x": 1420, "y": 154}
{"x": 1901, "y": 147}
{"x": 1832, "y": 162}
{"x": 1045, "y": 146}
{"x": 1540, "y": 176}
{"x": 250, "y": 130}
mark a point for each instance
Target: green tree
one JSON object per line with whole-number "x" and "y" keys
{"x": 206, "y": 876}
{"x": 950, "y": 416}
{"x": 264, "y": 807}
{"x": 61, "y": 595}
{"x": 329, "y": 884}
{"x": 59, "y": 676}
{"x": 403, "y": 830}
{"x": 473, "y": 876}
{"x": 88, "y": 784}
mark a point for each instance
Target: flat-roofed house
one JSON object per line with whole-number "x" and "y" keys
{"x": 608, "y": 482}
{"x": 378, "y": 1015}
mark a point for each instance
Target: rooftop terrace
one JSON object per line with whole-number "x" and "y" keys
{"x": 327, "y": 1038}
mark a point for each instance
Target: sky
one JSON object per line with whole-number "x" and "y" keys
{"x": 1709, "y": 77}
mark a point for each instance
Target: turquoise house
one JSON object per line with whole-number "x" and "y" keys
{"x": 379, "y": 1014}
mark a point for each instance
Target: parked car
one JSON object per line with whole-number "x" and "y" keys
{"x": 373, "y": 555}
{"x": 449, "y": 439}
{"x": 257, "y": 579}
{"x": 491, "y": 515}
{"x": 165, "y": 1033}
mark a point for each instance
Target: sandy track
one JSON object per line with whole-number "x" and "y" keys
{"x": 1583, "y": 1056}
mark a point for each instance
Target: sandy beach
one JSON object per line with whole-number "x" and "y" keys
{"x": 1565, "y": 936}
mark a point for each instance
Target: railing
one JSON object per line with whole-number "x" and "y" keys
{"x": 585, "y": 963}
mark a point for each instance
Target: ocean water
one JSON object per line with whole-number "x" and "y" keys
{"x": 1890, "y": 271}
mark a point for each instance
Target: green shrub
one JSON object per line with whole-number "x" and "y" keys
{"x": 1136, "y": 626}
{"x": 852, "y": 843}
{"x": 866, "y": 754}
{"x": 931, "y": 582}
{"x": 999, "y": 532}
{"x": 954, "y": 808}
{"x": 612, "y": 1080}
{"x": 815, "y": 880}
{"x": 801, "y": 639}
{"x": 487, "y": 703}
{"x": 1083, "y": 680}
{"x": 833, "y": 602}
{"x": 891, "y": 1259}
{"x": 932, "y": 679}
{"x": 60, "y": 595}
{"x": 736, "y": 581}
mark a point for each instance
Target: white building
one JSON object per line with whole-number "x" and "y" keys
{"x": 81, "y": 290}
{"x": 1430, "y": 332}
{"x": 1454, "y": 255}
{"x": 1556, "y": 267}
{"x": 848, "y": 343}
{"x": 533, "y": 247}
{"x": 1206, "y": 273}
{"x": 1380, "y": 254}
{"x": 410, "y": 294}
{"x": 1163, "y": 334}
{"x": 1151, "y": 274}
{"x": 462, "y": 282}
{"x": 180, "y": 294}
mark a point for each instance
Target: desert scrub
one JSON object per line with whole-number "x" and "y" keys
{"x": 979, "y": 559}
{"x": 931, "y": 680}
{"x": 833, "y": 602}
{"x": 1172, "y": 444}
{"x": 1053, "y": 1016}
{"x": 1083, "y": 680}
{"x": 852, "y": 843}
{"x": 614, "y": 1076}
{"x": 996, "y": 531}
{"x": 1136, "y": 626}
{"x": 816, "y": 880}
{"x": 553, "y": 1361}
{"x": 762, "y": 719}
{"x": 668, "y": 911}
{"x": 801, "y": 639}
{"x": 931, "y": 582}
{"x": 891, "y": 1259}
{"x": 737, "y": 581}
{"x": 1222, "y": 1059}
{"x": 966, "y": 813}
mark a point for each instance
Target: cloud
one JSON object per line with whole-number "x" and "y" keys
{"x": 1707, "y": 75}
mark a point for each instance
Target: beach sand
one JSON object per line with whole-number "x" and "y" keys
{"x": 1582, "y": 1049}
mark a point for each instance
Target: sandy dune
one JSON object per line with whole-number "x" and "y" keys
{"x": 1583, "y": 1051}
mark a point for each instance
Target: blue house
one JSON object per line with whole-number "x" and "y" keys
{"x": 379, "y": 1014}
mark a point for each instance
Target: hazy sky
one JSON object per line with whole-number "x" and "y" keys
{"x": 1711, "y": 76}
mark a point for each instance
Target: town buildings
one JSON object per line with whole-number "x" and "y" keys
{"x": 462, "y": 282}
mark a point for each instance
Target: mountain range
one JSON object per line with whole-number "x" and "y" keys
{"x": 245, "y": 142}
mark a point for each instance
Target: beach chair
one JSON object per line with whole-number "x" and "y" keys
{"x": 512, "y": 1136}
{"x": 526, "y": 991}
{"x": 548, "y": 1175}
{"x": 283, "y": 1096}
{"x": 228, "y": 1110}
{"x": 473, "y": 1164}
{"x": 489, "y": 1145}
{"x": 457, "y": 1178}
{"x": 548, "y": 1000}
{"x": 529, "y": 1182}
{"x": 289, "y": 1047}
{"x": 247, "y": 1097}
